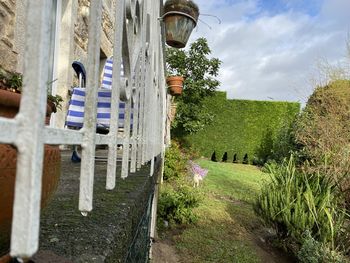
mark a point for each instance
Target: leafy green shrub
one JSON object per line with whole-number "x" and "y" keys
{"x": 285, "y": 143}
{"x": 269, "y": 166}
{"x": 313, "y": 251}
{"x": 176, "y": 203}
{"x": 265, "y": 150}
{"x": 177, "y": 198}
{"x": 175, "y": 162}
{"x": 293, "y": 202}
{"x": 322, "y": 131}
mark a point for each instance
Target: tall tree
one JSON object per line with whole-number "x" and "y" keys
{"x": 200, "y": 74}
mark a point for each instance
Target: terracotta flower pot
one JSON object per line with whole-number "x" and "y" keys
{"x": 175, "y": 84}
{"x": 180, "y": 18}
{"x": 9, "y": 105}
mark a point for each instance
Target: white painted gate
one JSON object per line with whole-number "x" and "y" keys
{"x": 138, "y": 43}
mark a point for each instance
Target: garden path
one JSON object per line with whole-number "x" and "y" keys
{"x": 227, "y": 229}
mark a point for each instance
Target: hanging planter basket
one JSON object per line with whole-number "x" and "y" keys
{"x": 180, "y": 18}
{"x": 175, "y": 85}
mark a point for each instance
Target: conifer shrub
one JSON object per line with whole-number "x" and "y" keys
{"x": 224, "y": 157}
{"x": 235, "y": 159}
{"x": 213, "y": 157}
{"x": 245, "y": 159}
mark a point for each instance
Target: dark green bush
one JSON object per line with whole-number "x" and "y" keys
{"x": 293, "y": 202}
{"x": 176, "y": 203}
{"x": 235, "y": 160}
{"x": 224, "y": 157}
{"x": 213, "y": 157}
{"x": 245, "y": 159}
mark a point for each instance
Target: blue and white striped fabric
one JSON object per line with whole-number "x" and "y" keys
{"x": 107, "y": 73}
{"x": 75, "y": 116}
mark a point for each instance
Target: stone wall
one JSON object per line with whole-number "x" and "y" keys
{"x": 81, "y": 29}
{"x": 72, "y": 41}
{"x": 8, "y": 57}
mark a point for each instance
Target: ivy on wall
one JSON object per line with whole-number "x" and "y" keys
{"x": 242, "y": 127}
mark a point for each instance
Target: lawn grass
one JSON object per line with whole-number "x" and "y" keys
{"x": 226, "y": 222}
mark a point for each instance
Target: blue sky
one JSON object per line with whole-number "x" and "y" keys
{"x": 310, "y": 7}
{"x": 275, "y": 48}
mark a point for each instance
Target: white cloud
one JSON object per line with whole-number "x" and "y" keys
{"x": 272, "y": 56}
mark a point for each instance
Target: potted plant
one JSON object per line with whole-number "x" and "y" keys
{"x": 10, "y": 89}
{"x": 180, "y": 18}
{"x": 174, "y": 79}
{"x": 10, "y": 96}
{"x": 175, "y": 85}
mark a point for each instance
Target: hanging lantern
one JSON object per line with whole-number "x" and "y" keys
{"x": 180, "y": 18}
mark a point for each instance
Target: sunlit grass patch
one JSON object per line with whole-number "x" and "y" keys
{"x": 225, "y": 216}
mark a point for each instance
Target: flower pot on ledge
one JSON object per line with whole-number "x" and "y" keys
{"x": 9, "y": 106}
{"x": 175, "y": 85}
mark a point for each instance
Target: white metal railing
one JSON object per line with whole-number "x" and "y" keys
{"x": 138, "y": 43}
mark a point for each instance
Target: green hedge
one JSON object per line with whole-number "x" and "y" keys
{"x": 241, "y": 126}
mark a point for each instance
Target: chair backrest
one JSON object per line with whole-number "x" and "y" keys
{"x": 75, "y": 116}
{"x": 107, "y": 73}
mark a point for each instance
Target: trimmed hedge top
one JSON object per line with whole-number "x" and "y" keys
{"x": 241, "y": 126}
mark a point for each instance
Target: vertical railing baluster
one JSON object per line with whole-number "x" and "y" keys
{"x": 89, "y": 129}
{"x": 30, "y": 120}
{"x": 135, "y": 121}
{"x": 141, "y": 138}
{"x": 126, "y": 141}
{"x": 116, "y": 85}
{"x": 144, "y": 57}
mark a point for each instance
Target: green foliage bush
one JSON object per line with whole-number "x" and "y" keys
{"x": 293, "y": 202}
{"x": 313, "y": 251}
{"x": 177, "y": 197}
{"x": 176, "y": 203}
{"x": 322, "y": 131}
{"x": 175, "y": 162}
{"x": 243, "y": 126}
